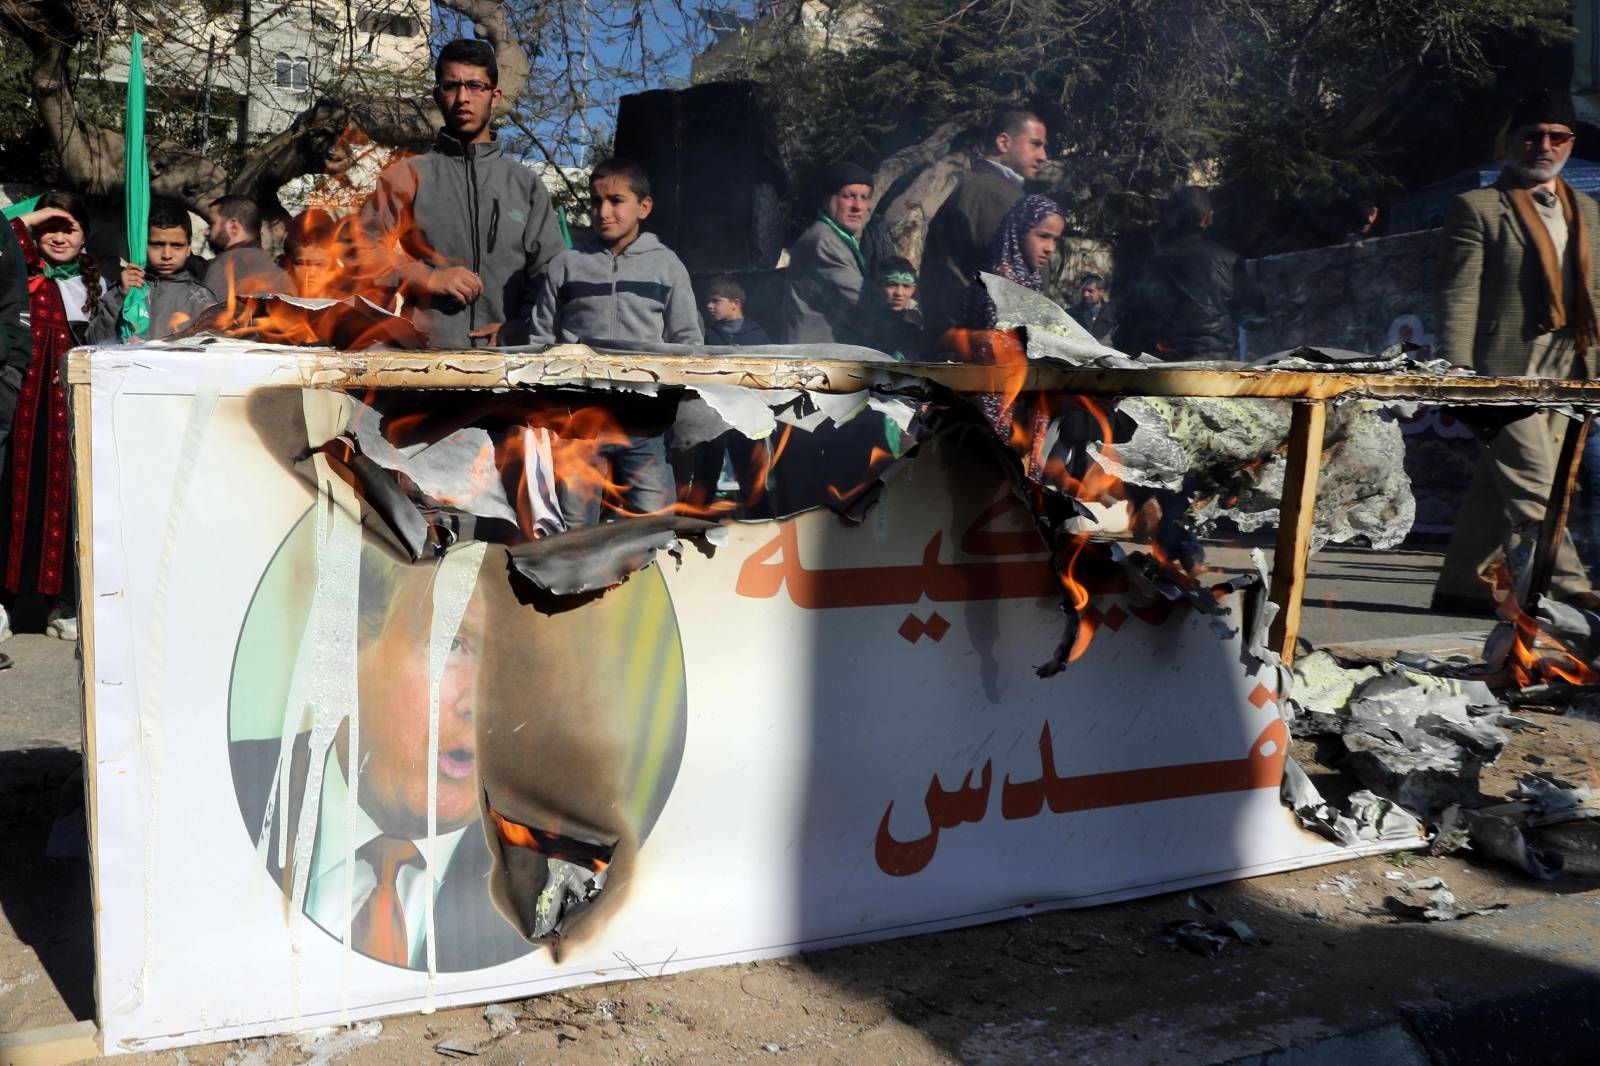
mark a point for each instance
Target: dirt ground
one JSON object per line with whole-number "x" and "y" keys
{"x": 1096, "y": 985}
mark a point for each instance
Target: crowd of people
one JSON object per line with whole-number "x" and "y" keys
{"x": 466, "y": 241}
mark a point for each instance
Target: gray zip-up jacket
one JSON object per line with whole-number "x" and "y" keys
{"x": 643, "y": 294}
{"x": 462, "y": 205}
{"x": 175, "y": 302}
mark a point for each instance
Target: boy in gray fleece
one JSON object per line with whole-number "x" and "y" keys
{"x": 176, "y": 296}
{"x": 623, "y": 285}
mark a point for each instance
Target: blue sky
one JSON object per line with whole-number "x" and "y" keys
{"x": 664, "y": 26}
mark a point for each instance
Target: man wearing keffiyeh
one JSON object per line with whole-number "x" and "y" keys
{"x": 1517, "y": 292}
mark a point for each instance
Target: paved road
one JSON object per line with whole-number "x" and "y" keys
{"x": 39, "y": 705}
{"x": 1358, "y": 595}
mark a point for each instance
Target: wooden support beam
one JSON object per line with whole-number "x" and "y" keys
{"x": 51, "y": 1046}
{"x": 1552, "y": 531}
{"x": 573, "y": 364}
{"x": 1296, "y": 514}
{"x": 79, "y": 399}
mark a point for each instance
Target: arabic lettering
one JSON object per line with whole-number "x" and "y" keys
{"x": 776, "y": 565}
{"x": 946, "y": 810}
{"x": 1261, "y": 767}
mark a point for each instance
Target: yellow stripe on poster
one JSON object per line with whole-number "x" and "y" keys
{"x": 655, "y": 672}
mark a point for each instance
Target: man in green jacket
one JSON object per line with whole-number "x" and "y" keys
{"x": 1516, "y": 294}
{"x": 1013, "y": 151}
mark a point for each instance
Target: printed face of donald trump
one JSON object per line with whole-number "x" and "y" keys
{"x": 392, "y": 678}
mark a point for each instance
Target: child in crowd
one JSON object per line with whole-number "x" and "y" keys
{"x": 896, "y": 324}
{"x": 619, "y": 287}
{"x": 177, "y": 298}
{"x": 623, "y": 284}
{"x": 725, "y": 321}
{"x": 311, "y": 255}
{"x": 64, "y": 292}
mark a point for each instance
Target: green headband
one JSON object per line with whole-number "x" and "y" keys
{"x": 898, "y": 277}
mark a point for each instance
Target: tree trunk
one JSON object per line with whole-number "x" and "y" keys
{"x": 912, "y": 184}
{"x": 91, "y": 156}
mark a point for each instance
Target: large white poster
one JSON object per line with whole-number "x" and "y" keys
{"x": 332, "y": 784}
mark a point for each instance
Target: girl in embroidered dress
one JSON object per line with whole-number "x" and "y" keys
{"x": 64, "y": 290}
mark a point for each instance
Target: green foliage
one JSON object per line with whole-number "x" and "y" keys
{"x": 1272, "y": 99}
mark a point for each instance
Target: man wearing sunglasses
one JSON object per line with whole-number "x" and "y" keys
{"x": 1517, "y": 290}
{"x": 462, "y": 232}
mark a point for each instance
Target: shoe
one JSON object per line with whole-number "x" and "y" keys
{"x": 62, "y": 623}
{"x": 5, "y": 624}
{"x": 1449, "y": 603}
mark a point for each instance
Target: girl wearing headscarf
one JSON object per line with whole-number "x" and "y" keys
{"x": 64, "y": 291}
{"x": 1019, "y": 252}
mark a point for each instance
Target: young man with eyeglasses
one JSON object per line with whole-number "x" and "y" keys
{"x": 462, "y": 232}
{"x": 1516, "y": 293}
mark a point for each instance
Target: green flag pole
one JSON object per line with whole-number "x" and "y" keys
{"x": 136, "y": 194}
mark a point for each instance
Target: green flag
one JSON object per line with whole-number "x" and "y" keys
{"x": 136, "y": 193}
{"x": 21, "y": 207}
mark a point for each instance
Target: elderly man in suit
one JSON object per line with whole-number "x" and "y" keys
{"x": 1517, "y": 291}
{"x": 827, "y": 267}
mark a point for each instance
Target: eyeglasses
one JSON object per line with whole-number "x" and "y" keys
{"x": 1557, "y": 138}
{"x": 476, "y": 88}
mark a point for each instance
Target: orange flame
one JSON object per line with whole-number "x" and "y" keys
{"x": 593, "y": 857}
{"x": 1022, "y": 420}
{"x": 1531, "y": 661}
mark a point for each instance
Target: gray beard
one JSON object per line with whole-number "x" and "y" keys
{"x": 1535, "y": 175}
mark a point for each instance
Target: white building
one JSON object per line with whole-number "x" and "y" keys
{"x": 241, "y": 70}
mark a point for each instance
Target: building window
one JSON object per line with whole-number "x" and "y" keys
{"x": 390, "y": 23}
{"x": 292, "y": 73}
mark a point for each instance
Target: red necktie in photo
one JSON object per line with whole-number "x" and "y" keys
{"x": 379, "y": 928}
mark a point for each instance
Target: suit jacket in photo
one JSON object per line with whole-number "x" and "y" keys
{"x": 471, "y": 934}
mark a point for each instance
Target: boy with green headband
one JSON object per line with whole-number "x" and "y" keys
{"x": 896, "y": 322}
{"x": 826, "y": 267}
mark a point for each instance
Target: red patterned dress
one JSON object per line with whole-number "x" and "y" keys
{"x": 36, "y": 486}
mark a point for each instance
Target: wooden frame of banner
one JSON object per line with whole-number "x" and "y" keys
{"x": 577, "y": 365}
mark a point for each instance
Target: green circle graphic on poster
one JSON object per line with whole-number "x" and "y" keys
{"x": 559, "y": 740}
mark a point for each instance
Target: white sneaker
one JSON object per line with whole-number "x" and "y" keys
{"x": 62, "y": 623}
{"x": 5, "y": 624}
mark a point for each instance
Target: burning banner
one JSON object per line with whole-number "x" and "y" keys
{"x": 472, "y": 748}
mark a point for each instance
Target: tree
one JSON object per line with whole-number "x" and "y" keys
{"x": 208, "y": 60}
{"x": 1281, "y": 102}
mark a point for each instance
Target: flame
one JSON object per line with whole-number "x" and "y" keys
{"x": 1531, "y": 661}
{"x": 1022, "y": 420}
{"x": 592, "y": 857}
{"x": 327, "y": 257}
{"x": 877, "y": 459}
